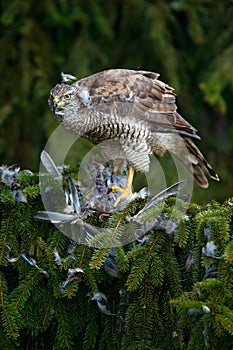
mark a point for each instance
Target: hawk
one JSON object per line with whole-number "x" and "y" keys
{"x": 132, "y": 113}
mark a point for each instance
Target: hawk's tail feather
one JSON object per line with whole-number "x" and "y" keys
{"x": 200, "y": 166}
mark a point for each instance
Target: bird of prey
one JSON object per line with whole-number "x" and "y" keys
{"x": 132, "y": 113}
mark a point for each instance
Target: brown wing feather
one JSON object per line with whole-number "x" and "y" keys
{"x": 200, "y": 166}
{"x": 151, "y": 100}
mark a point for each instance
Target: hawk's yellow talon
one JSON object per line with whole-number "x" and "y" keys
{"x": 125, "y": 192}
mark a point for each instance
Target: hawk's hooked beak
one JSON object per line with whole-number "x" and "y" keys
{"x": 57, "y": 104}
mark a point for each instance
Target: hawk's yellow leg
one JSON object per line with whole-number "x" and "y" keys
{"x": 125, "y": 192}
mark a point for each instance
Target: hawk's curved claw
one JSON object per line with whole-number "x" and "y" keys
{"x": 125, "y": 192}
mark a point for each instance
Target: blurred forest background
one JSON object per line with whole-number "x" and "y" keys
{"x": 190, "y": 43}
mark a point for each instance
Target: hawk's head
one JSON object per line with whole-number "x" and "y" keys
{"x": 65, "y": 100}
{"x": 61, "y": 99}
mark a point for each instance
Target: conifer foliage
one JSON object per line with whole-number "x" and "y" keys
{"x": 169, "y": 289}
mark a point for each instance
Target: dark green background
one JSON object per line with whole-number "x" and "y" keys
{"x": 190, "y": 43}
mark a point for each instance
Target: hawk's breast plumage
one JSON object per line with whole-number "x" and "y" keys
{"x": 134, "y": 113}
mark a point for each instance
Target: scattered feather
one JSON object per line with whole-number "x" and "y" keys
{"x": 74, "y": 198}
{"x": 121, "y": 320}
{"x": 67, "y": 78}
{"x": 58, "y": 258}
{"x": 210, "y": 250}
{"x": 205, "y": 309}
{"x": 54, "y": 217}
{"x": 111, "y": 266}
{"x": 101, "y": 301}
{"x": 8, "y": 177}
{"x": 49, "y": 165}
{"x": 71, "y": 276}
{"x": 189, "y": 262}
{"x": 33, "y": 263}
{"x": 158, "y": 198}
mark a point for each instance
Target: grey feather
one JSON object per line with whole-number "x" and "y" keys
{"x": 49, "y": 165}
{"x": 74, "y": 196}
{"x": 170, "y": 191}
{"x": 67, "y": 78}
{"x": 54, "y": 217}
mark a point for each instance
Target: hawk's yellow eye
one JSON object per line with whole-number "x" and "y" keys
{"x": 67, "y": 96}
